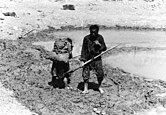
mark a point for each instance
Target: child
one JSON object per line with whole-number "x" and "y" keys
{"x": 63, "y": 49}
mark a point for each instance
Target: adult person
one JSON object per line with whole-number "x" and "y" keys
{"x": 63, "y": 50}
{"x": 93, "y": 45}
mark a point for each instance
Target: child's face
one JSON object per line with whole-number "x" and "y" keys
{"x": 93, "y": 32}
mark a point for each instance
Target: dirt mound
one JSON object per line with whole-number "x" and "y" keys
{"x": 24, "y": 69}
{"x": 26, "y": 72}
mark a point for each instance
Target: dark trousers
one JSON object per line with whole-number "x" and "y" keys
{"x": 96, "y": 65}
{"x": 57, "y": 71}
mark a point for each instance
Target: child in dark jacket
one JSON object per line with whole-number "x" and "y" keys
{"x": 93, "y": 45}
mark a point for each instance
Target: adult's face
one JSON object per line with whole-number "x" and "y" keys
{"x": 93, "y": 32}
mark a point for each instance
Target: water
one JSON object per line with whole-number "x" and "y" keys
{"x": 150, "y": 64}
{"x": 120, "y": 36}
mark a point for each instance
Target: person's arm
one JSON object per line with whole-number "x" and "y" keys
{"x": 70, "y": 49}
{"x": 103, "y": 46}
{"x": 55, "y": 49}
{"x": 84, "y": 50}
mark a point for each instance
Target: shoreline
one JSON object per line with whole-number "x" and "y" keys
{"x": 103, "y": 27}
{"x": 25, "y": 72}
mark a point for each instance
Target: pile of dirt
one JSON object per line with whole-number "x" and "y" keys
{"x": 24, "y": 70}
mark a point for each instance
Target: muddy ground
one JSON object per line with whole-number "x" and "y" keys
{"x": 24, "y": 70}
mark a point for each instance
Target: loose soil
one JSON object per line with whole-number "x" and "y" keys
{"x": 26, "y": 72}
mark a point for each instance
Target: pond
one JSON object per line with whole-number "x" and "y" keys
{"x": 150, "y": 64}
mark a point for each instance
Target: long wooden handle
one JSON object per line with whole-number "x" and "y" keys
{"x": 70, "y": 71}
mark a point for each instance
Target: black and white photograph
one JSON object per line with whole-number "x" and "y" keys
{"x": 82, "y": 57}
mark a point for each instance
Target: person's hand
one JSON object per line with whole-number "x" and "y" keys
{"x": 81, "y": 63}
{"x": 97, "y": 46}
{"x": 97, "y": 43}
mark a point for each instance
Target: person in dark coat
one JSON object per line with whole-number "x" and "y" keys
{"x": 93, "y": 45}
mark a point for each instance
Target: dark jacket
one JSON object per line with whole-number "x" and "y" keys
{"x": 88, "y": 47}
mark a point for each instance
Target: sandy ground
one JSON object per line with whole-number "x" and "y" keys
{"x": 9, "y": 104}
{"x": 49, "y": 14}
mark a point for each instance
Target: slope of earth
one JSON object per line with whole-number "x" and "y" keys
{"x": 9, "y": 105}
{"x": 26, "y": 72}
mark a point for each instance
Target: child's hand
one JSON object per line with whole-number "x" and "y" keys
{"x": 97, "y": 43}
{"x": 81, "y": 63}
